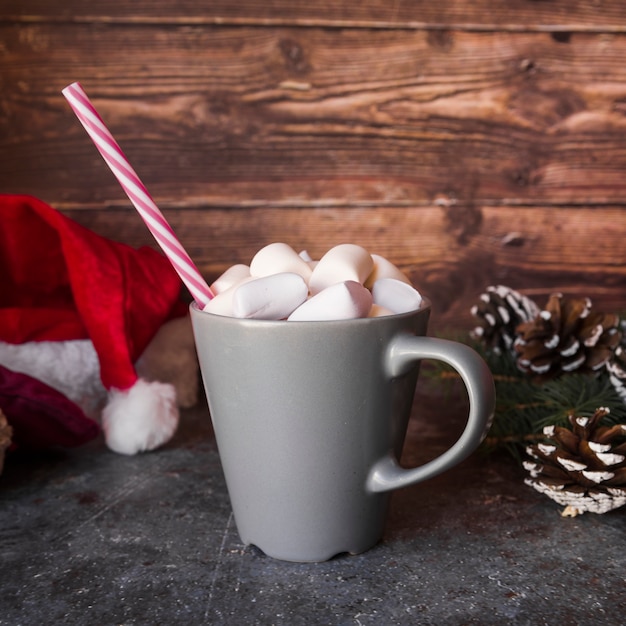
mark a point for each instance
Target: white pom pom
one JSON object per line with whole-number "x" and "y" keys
{"x": 141, "y": 418}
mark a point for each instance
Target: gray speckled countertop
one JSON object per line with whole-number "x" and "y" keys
{"x": 91, "y": 537}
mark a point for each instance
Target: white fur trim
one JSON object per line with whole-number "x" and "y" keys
{"x": 70, "y": 367}
{"x": 142, "y": 418}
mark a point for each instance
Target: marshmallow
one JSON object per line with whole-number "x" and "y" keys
{"x": 278, "y": 258}
{"x": 346, "y": 283}
{"x": 222, "y": 303}
{"x": 303, "y": 254}
{"x": 340, "y": 301}
{"x": 270, "y": 297}
{"x": 345, "y": 262}
{"x": 379, "y": 311}
{"x": 384, "y": 269}
{"x": 230, "y": 277}
{"x": 395, "y": 295}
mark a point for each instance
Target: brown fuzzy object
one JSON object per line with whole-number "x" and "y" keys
{"x": 5, "y": 437}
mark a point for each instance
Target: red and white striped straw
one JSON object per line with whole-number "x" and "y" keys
{"x": 137, "y": 193}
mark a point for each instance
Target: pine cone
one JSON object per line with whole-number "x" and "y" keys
{"x": 583, "y": 467}
{"x": 616, "y": 365}
{"x": 566, "y": 336}
{"x": 5, "y": 437}
{"x": 500, "y": 311}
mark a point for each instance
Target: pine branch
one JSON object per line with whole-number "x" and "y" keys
{"x": 524, "y": 407}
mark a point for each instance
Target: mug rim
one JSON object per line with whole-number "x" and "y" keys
{"x": 425, "y": 306}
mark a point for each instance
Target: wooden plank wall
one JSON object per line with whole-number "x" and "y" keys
{"x": 471, "y": 143}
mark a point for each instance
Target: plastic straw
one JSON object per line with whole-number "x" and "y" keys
{"x": 137, "y": 193}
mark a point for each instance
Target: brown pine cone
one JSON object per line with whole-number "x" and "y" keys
{"x": 583, "y": 467}
{"x": 566, "y": 336}
{"x": 499, "y": 312}
{"x": 616, "y": 365}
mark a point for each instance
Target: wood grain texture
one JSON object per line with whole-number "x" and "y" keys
{"x": 450, "y": 258}
{"x": 471, "y": 143}
{"x": 310, "y": 117}
{"x": 515, "y": 15}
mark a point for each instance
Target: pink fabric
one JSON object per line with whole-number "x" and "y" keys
{"x": 40, "y": 416}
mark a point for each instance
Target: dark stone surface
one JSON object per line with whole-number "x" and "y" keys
{"x": 91, "y": 537}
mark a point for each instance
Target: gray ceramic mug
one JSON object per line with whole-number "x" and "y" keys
{"x": 310, "y": 419}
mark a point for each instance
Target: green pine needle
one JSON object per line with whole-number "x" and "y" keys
{"x": 524, "y": 407}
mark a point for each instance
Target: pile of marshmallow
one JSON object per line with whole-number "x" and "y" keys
{"x": 281, "y": 284}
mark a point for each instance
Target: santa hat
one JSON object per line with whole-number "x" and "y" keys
{"x": 61, "y": 281}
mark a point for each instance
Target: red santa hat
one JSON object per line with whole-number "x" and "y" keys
{"x": 61, "y": 281}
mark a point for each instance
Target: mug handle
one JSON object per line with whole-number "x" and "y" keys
{"x": 403, "y": 352}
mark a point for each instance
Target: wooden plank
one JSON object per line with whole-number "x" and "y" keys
{"x": 237, "y": 116}
{"x": 537, "y": 250}
{"x": 470, "y": 143}
{"x": 516, "y": 15}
